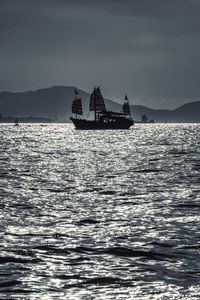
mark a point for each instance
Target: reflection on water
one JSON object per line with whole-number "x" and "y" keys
{"x": 100, "y": 214}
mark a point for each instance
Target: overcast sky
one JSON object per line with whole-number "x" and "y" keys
{"x": 149, "y": 49}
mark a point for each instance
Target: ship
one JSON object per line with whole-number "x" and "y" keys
{"x": 16, "y": 122}
{"x": 102, "y": 118}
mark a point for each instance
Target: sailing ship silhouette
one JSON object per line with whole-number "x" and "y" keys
{"x": 103, "y": 119}
{"x": 16, "y": 122}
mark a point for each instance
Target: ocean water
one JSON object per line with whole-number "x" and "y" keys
{"x": 100, "y": 214}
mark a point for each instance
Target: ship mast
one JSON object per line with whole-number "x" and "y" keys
{"x": 126, "y": 107}
{"x": 95, "y": 107}
{"x": 77, "y": 104}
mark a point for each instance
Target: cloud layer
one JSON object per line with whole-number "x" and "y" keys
{"x": 148, "y": 49}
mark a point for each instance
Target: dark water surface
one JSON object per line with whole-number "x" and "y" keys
{"x": 100, "y": 214}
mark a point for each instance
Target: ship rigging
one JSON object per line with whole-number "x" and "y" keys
{"x": 103, "y": 119}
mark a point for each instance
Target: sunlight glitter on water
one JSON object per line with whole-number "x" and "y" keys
{"x": 100, "y": 214}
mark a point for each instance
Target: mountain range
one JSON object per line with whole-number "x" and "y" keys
{"x": 55, "y": 103}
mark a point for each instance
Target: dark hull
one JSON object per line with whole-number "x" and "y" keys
{"x": 121, "y": 123}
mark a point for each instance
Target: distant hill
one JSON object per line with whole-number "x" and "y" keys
{"x": 187, "y": 113}
{"x": 157, "y": 115}
{"x": 55, "y": 103}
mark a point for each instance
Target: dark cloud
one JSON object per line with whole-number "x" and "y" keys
{"x": 149, "y": 49}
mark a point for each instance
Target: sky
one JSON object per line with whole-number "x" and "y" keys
{"x": 148, "y": 49}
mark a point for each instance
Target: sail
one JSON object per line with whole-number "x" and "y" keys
{"x": 126, "y": 106}
{"x": 77, "y": 104}
{"x": 96, "y": 99}
{"x": 77, "y": 107}
{"x": 92, "y": 100}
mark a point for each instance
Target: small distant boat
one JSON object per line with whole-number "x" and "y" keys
{"x": 103, "y": 119}
{"x": 16, "y": 122}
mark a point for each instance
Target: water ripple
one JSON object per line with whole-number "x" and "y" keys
{"x": 100, "y": 214}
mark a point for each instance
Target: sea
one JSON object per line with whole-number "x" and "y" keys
{"x": 100, "y": 214}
